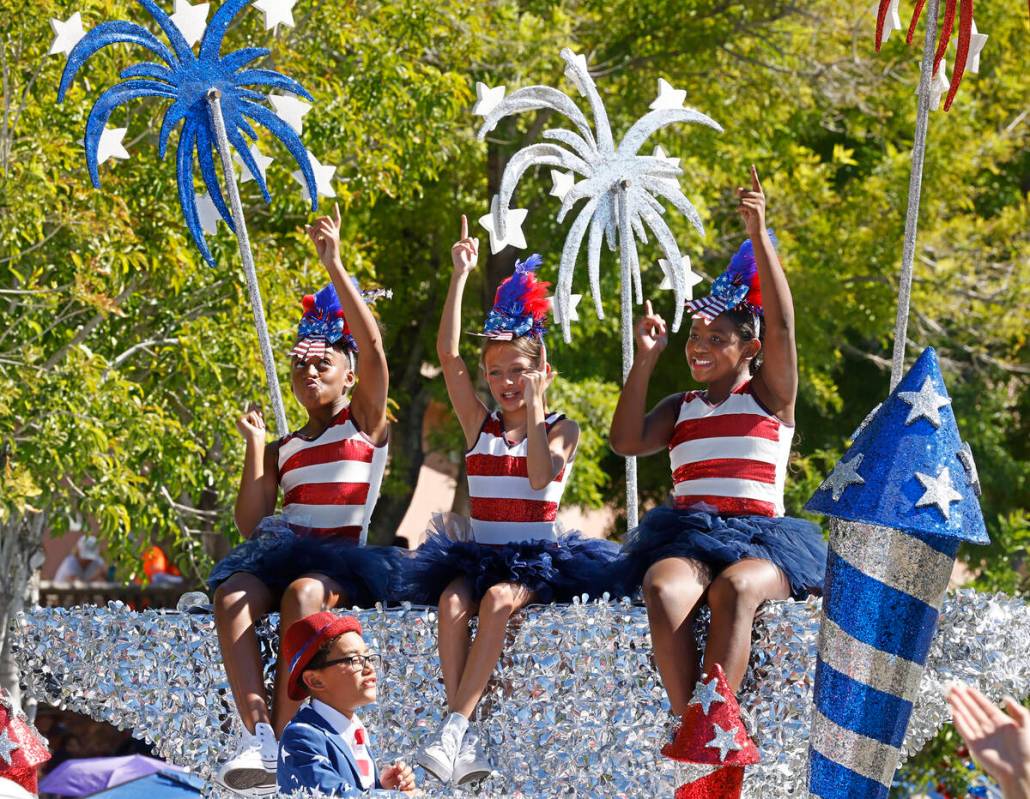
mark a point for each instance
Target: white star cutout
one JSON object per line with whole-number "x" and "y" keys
{"x": 573, "y": 305}
{"x": 323, "y": 179}
{"x": 191, "y": 20}
{"x": 563, "y": 181}
{"x": 277, "y": 12}
{"x": 965, "y": 457}
{"x": 939, "y": 492}
{"x": 660, "y": 154}
{"x": 209, "y": 216}
{"x": 706, "y": 694}
{"x": 892, "y": 22}
{"x": 262, "y": 162}
{"x": 976, "y": 46}
{"x": 487, "y": 98}
{"x": 938, "y": 86}
{"x": 926, "y": 403}
{"x": 692, "y": 278}
{"x": 66, "y": 34}
{"x": 110, "y": 145}
{"x": 724, "y": 741}
{"x": 515, "y": 217}
{"x": 668, "y": 97}
{"x": 290, "y": 110}
{"x": 844, "y": 475}
{"x": 7, "y": 746}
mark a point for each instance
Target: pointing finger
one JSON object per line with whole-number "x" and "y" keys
{"x": 464, "y": 226}
{"x": 338, "y": 219}
{"x": 647, "y": 308}
{"x": 755, "y": 185}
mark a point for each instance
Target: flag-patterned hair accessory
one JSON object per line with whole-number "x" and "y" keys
{"x": 521, "y": 304}
{"x": 323, "y": 323}
{"x": 737, "y": 287}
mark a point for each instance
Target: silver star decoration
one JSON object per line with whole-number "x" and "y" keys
{"x": 842, "y": 476}
{"x": 563, "y": 182}
{"x": 573, "y": 305}
{"x": 926, "y": 403}
{"x": 110, "y": 145}
{"x": 512, "y": 232}
{"x": 893, "y": 21}
{"x": 690, "y": 277}
{"x": 939, "y": 84}
{"x": 965, "y": 457}
{"x": 976, "y": 46}
{"x": 191, "y": 20}
{"x": 66, "y": 34}
{"x": 6, "y": 747}
{"x": 290, "y": 110}
{"x": 706, "y": 694}
{"x": 487, "y": 98}
{"x": 724, "y": 741}
{"x": 668, "y": 96}
{"x": 939, "y": 491}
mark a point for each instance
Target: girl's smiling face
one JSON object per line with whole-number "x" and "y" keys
{"x": 715, "y": 350}
{"x": 319, "y": 381}
{"x": 504, "y": 367}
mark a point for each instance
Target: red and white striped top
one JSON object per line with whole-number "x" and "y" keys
{"x": 331, "y": 483}
{"x": 730, "y": 458}
{"x": 504, "y": 507}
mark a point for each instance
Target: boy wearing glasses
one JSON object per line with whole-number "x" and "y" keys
{"x": 325, "y": 746}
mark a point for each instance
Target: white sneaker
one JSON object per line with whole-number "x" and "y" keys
{"x": 473, "y": 761}
{"x": 438, "y": 753}
{"x": 251, "y": 771}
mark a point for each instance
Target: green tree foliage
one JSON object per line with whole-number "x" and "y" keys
{"x": 124, "y": 361}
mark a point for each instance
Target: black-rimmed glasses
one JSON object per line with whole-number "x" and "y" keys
{"x": 355, "y": 662}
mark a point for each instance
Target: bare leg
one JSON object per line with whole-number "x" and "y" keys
{"x": 456, "y": 608}
{"x": 673, "y": 588}
{"x": 734, "y": 597}
{"x": 498, "y": 605}
{"x": 309, "y": 594}
{"x": 239, "y": 602}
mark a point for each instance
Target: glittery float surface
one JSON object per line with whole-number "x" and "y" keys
{"x": 575, "y": 707}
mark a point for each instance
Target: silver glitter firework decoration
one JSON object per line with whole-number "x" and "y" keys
{"x": 622, "y": 192}
{"x": 576, "y": 707}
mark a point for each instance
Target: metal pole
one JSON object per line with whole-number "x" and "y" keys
{"x": 915, "y": 185}
{"x": 215, "y": 107}
{"x": 626, "y": 300}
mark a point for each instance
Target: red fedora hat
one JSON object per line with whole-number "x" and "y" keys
{"x": 303, "y": 639}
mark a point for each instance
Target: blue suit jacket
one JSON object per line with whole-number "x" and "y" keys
{"x": 313, "y": 755}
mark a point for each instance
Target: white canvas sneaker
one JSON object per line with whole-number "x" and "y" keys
{"x": 437, "y": 754}
{"x": 251, "y": 771}
{"x": 473, "y": 762}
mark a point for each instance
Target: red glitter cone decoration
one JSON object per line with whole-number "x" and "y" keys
{"x": 22, "y": 749}
{"x": 724, "y": 783}
{"x": 712, "y": 732}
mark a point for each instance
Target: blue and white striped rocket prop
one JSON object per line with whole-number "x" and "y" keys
{"x": 900, "y": 502}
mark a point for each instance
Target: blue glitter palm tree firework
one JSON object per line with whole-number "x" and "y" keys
{"x": 186, "y": 79}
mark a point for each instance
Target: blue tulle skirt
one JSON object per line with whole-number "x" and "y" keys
{"x": 795, "y": 545}
{"x": 277, "y": 556}
{"x": 556, "y": 571}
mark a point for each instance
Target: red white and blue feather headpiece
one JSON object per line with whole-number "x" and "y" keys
{"x": 520, "y": 305}
{"x": 323, "y": 323}
{"x": 737, "y": 287}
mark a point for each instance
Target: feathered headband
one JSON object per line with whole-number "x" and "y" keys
{"x": 737, "y": 287}
{"x": 520, "y": 305}
{"x": 323, "y": 323}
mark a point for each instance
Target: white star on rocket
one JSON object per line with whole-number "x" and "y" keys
{"x": 892, "y": 22}
{"x": 277, "y": 12}
{"x": 976, "y": 46}
{"x": 260, "y": 159}
{"x": 209, "y": 216}
{"x": 691, "y": 277}
{"x": 573, "y": 305}
{"x": 110, "y": 145}
{"x": 66, "y": 34}
{"x": 563, "y": 181}
{"x": 290, "y": 110}
{"x": 487, "y": 98}
{"x": 515, "y": 218}
{"x": 323, "y": 179}
{"x": 191, "y": 20}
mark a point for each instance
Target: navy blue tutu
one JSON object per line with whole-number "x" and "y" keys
{"x": 555, "y": 571}
{"x": 277, "y": 556}
{"x": 795, "y": 545}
